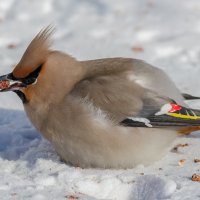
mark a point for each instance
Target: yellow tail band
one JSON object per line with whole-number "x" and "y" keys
{"x": 178, "y": 115}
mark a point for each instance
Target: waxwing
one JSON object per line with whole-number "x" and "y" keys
{"x": 107, "y": 113}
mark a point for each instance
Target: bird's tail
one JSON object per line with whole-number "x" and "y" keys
{"x": 178, "y": 116}
{"x": 169, "y": 115}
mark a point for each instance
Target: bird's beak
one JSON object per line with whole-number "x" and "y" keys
{"x": 9, "y": 83}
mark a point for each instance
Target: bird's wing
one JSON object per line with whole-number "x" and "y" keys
{"x": 130, "y": 104}
{"x": 169, "y": 115}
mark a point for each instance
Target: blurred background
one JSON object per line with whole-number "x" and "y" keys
{"x": 163, "y": 33}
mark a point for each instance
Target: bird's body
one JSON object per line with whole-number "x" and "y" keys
{"x": 84, "y": 126}
{"x": 81, "y": 107}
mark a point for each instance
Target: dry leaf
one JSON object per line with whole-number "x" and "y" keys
{"x": 180, "y": 145}
{"x": 196, "y": 160}
{"x": 181, "y": 162}
{"x": 11, "y": 46}
{"x": 137, "y": 49}
{"x": 189, "y": 130}
{"x": 71, "y": 197}
{"x": 195, "y": 177}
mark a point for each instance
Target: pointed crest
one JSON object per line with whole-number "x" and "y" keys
{"x": 35, "y": 54}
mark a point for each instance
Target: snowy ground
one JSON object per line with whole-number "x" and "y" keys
{"x": 164, "y": 33}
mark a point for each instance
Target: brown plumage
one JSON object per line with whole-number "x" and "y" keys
{"x": 95, "y": 112}
{"x": 35, "y": 54}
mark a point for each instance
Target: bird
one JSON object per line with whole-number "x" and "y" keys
{"x": 104, "y": 113}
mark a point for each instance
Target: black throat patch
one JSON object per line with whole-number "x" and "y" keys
{"x": 21, "y": 95}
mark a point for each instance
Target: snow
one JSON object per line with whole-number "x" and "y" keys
{"x": 152, "y": 187}
{"x": 163, "y": 33}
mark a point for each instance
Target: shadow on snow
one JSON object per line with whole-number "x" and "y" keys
{"x": 19, "y": 140}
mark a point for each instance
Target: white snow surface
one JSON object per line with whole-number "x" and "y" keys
{"x": 163, "y": 33}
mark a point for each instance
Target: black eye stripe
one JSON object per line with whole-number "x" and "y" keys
{"x": 11, "y": 77}
{"x": 31, "y": 78}
{"x": 35, "y": 73}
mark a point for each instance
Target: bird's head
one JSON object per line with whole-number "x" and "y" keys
{"x": 39, "y": 70}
